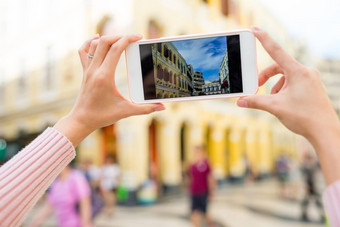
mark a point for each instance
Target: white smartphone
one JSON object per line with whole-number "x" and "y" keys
{"x": 192, "y": 67}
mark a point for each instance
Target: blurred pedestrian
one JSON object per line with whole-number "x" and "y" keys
{"x": 282, "y": 170}
{"x": 294, "y": 181}
{"x": 249, "y": 174}
{"x": 92, "y": 175}
{"x": 202, "y": 185}
{"x": 310, "y": 169}
{"x": 109, "y": 181}
{"x": 69, "y": 198}
{"x": 91, "y": 172}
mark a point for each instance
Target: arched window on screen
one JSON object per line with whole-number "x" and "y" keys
{"x": 159, "y": 47}
{"x": 166, "y": 75}
{"x": 166, "y": 51}
{"x": 159, "y": 72}
{"x": 171, "y": 78}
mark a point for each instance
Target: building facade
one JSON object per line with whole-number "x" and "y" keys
{"x": 212, "y": 88}
{"x": 172, "y": 75}
{"x": 330, "y": 71}
{"x": 198, "y": 83}
{"x": 224, "y": 75}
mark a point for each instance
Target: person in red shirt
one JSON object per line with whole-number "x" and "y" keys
{"x": 202, "y": 185}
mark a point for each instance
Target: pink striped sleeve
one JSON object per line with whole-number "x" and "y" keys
{"x": 25, "y": 177}
{"x": 331, "y": 198}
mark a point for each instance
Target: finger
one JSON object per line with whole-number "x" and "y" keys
{"x": 261, "y": 102}
{"x": 274, "y": 49}
{"x": 116, "y": 51}
{"x": 136, "y": 109}
{"x": 84, "y": 49}
{"x": 268, "y": 72}
{"x": 92, "y": 51}
{"x": 104, "y": 46}
{"x": 277, "y": 87}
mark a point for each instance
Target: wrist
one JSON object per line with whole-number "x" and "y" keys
{"x": 325, "y": 135}
{"x": 327, "y": 146}
{"x": 73, "y": 129}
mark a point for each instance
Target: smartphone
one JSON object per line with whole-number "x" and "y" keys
{"x": 192, "y": 67}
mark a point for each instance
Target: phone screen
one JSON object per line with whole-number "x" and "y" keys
{"x": 191, "y": 67}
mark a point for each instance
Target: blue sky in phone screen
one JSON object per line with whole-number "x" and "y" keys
{"x": 204, "y": 54}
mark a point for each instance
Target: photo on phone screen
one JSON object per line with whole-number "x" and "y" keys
{"x": 193, "y": 67}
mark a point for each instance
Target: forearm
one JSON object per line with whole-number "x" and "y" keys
{"x": 327, "y": 145}
{"x": 211, "y": 183}
{"x": 25, "y": 177}
{"x": 46, "y": 210}
{"x": 85, "y": 211}
{"x": 328, "y": 150}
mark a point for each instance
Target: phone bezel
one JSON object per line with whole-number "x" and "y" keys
{"x": 248, "y": 67}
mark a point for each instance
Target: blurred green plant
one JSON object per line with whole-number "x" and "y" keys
{"x": 3, "y": 148}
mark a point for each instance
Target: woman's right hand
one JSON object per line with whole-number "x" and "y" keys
{"x": 298, "y": 99}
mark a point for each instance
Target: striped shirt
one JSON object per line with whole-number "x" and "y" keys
{"x": 331, "y": 200}
{"x": 25, "y": 177}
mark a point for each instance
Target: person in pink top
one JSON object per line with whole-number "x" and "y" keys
{"x": 298, "y": 100}
{"x": 69, "y": 197}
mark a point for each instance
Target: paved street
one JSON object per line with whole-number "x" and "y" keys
{"x": 241, "y": 205}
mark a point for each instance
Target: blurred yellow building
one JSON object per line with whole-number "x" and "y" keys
{"x": 41, "y": 75}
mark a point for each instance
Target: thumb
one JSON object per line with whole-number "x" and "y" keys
{"x": 260, "y": 102}
{"x": 145, "y": 108}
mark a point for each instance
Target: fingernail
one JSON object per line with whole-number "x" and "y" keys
{"x": 137, "y": 35}
{"x": 96, "y": 36}
{"x": 255, "y": 29}
{"x": 159, "y": 108}
{"x": 242, "y": 103}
